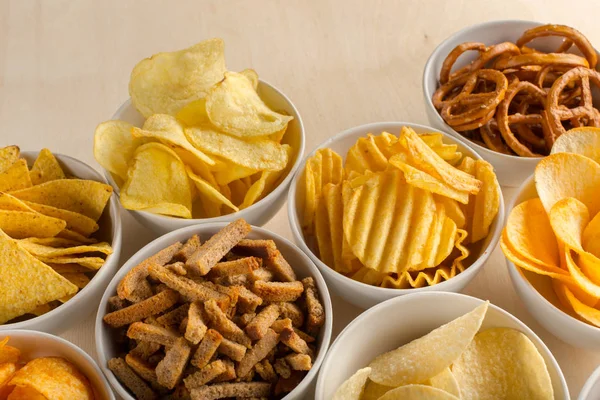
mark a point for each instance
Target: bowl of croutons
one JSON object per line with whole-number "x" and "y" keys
{"x": 215, "y": 311}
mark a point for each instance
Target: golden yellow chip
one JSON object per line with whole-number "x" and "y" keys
{"x": 233, "y": 172}
{"x": 78, "y": 279}
{"x": 8, "y": 156}
{"x": 429, "y": 355}
{"x": 92, "y": 263}
{"x": 15, "y": 177}
{"x": 68, "y": 268}
{"x": 9, "y": 202}
{"x": 75, "y": 236}
{"x": 323, "y": 234}
{"x": 252, "y": 76}
{"x": 434, "y": 240}
{"x": 238, "y": 191}
{"x": 502, "y": 363}
{"x": 563, "y": 175}
{"x": 257, "y": 190}
{"x": 51, "y": 241}
{"x": 209, "y": 192}
{"x": 26, "y": 282}
{"x": 453, "y": 210}
{"x": 234, "y": 106}
{"x": 590, "y": 239}
{"x": 166, "y": 82}
{"x": 157, "y": 183}
{"x": 374, "y": 391}
{"x": 368, "y": 276}
{"x": 45, "y": 168}
{"x": 447, "y": 241}
{"x": 584, "y": 140}
{"x": 55, "y": 378}
{"x": 487, "y": 201}
{"x": 568, "y": 299}
{"x": 48, "y": 251}
{"x": 43, "y": 309}
{"x": 568, "y": 218}
{"x": 25, "y": 393}
{"x": 311, "y": 173}
{"x": 417, "y": 392}
{"x": 194, "y": 113}
{"x": 366, "y": 155}
{"x": 428, "y": 277}
{"x": 7, "y": 370}
{"x": 353, "y": 387}
{"x": 23, "y": 224}
{"x": 8, "y": 354}
{"x": 114, "y": 146}
{"x": 75, "y": 221}
{"x": 78, "y": 195}
{"x": 446, "y": 381}
{"x": 582, "y": 281}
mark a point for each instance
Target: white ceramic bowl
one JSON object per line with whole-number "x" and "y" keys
{"x": 591, "y": 388}
{"x": 39, "y": 344}
{"x": 85, "y": 301}
{"x": 511, "y": 170}
{"x": 398, "y": 321}
{"x": 539, "y": 297}
{"x": 257, "y": 214}
{"x": 358, "y": 293}
{"x": 302, "y": 265}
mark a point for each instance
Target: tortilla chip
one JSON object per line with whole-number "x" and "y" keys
{"x": 45, "y": 168}
{"x": 15, "y": 177}
{"x": 22, "y": 224}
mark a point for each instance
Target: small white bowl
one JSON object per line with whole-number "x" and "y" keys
{"x": 34, "y": 344}
{"x": 591, "y": 388}
{"x": 84, "y": 303}
{"x": 361, "y": 294}
{"x": 511, "y": 170}
{"x": 398, "y": 321}
{"x": 257, "y": 214}
{"x": 541, "y": 300}
{"x": 106, "y": 347}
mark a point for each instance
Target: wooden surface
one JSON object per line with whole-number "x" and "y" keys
{"x": 64, "y": 67}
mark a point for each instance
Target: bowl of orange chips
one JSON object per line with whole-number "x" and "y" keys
{"x": 197, "y": 142}
{"x": 60, "y": 239}
{"x": 38, "y": 366}
{"x": 552, "y": 236}
{"x": 387, "y": 209}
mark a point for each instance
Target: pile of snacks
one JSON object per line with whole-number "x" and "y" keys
{"x": 209, "y": 146}
{"x": 455, "y": 361}
{"x": 557, "y": 234}
{"x": 399, "y": 211}
{"x": 219, "y": 319}
{"x": 517, "y": 100}
{"x": 41, "y": 378}
{"x": 46, "y": 220}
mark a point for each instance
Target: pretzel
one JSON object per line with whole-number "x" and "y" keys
{"x": 455, "y": 54}
{"x": 500, "y": 50}
{"x": 521, "y": 60}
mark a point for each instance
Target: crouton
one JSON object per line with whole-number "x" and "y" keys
{"x": 127, "y": 377}
{"x": 207, "y": 348}
{"x": 169, "y": 370}
{"x": 258, "y": 352}
{"x": 278, "y": 291}
{"x": 144, "y": 309}
{"x": 258, "y": 327}
{"x": 152, "y": 333}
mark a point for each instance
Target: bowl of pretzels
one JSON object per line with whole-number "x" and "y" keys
{"x": 512, "y": 88}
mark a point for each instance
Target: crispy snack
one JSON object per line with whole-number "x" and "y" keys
{"x": 548, "y": 93}
{"x": 209, "y": 336}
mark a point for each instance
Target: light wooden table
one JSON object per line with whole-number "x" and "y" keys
{"x": 64, "y": 67}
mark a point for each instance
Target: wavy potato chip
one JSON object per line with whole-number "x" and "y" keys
{"x": 366, "y": 155}
{"x": 417, "y": 392}
{"x": 487, "y": 201}
{"x": 234, "y": 106}
{"x": 584, "y": 140}
{"x": 45, "y": 168}
{"x": 582, "y": 174}
{"x": 446, "y": 381}
{"x": 23, "y": 224}
{"x": 114, "y": 146}
{"x": 8, "y": 156}
{"x": 502, "y": 363}
{"x": 423, "y": 278}
{"x": 368, "y": 276}
{"x": 166, "y": 82}
{"x": 453, "y": 210}
{"x": 429, "y": 355}
{"x": 15, "y": 177}
{"x": 353, "y": 387}
{"x": 157, "y": 182}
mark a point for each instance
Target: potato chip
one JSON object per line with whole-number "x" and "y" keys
{"x": 487, "y": 201}
{"x": 48, "y": 251}
{"x": 55, "y": 378}
{"x": 234, "y": 106}
{"x": 252, "y": 76}
{"x": 323, "y": 234}
{"x": 15, "y": 177}
{"x": 25, "y": 393}
{"x": 353, "y": 387}
{"x": 7, "y": 369}
{"x": 582, "y": 281}
{"x": 563, "y": 175}
{"x": 584, "y": 140}
{"x": 447, "y": 241}
{"x": 257, "y": 189}
{"x": 26, "y": 282}
{"x": 233, "y": 172}
{"x": 590, "y": 238}
{"x": 427, "y": 277}
{"x": 453, "y": 210}
{"x": 8, "y": 156}
{"x": 157, "y": 182}
{"x": 78, "y": 195}
{"x": 530, "y": 234}
{"x": 22, "y": 224}
{"x": 260, "y": 154}
{"x": 417, "y": 392}
{"x": 368, "y": 276}
{"x": 429, "y": 355}
{"x": 568, "y": 218}
{"x": 374, "y": 391}
{"x": 166, "y": 82}
{"x": 446, "y": 381}
{"x": 433, "y": 240}
{"x": 194, "y": 113}
{"x": 9, "y": 202}
{"x": 209, "y": 192}
{"x": 45, "y": 168}
{"x": 365, "y": 155}
{"x": 114, "y": 146}
{"x": 502, "y": 363}
{"x": 8, "y": 354}
{"x": 583, "y": 311}
{"x": 75, "y": 221}
{"x": 425, "y": 159}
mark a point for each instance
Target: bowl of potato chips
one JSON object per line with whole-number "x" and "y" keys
{"x": 36, "y": 366}
{"x": 391, "y": 208}
{"x": 552, "y": 236}
{"x": 439, "y": 346}
{"x": 60, "y": 239}
{"x": 197, "y": 142}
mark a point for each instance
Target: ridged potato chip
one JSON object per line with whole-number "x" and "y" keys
{"x": 157, "y": 182}
{"x": 453, "y": 210}
{"x": 502, "y": 363}
{"x": 353, "y": 387}
{"x": 8, "y": 156}
{"x": 114, "y": 146}
{"x": 45, "y": 168}
{"x": 417, "y": 392}
{"x": 24, "y": 224}
{"x": 487, "y": 201}
{"x": 429, "y": 355}
{"x": 15, "y": 177}
{"x": 367, "y": 155}
{"x": 368, "y": 276}
{"x": 584, "y": 140}
{"x": 166, "y": 82}
{"x": 234, "y": 106}
{"x": 422, "y": 278}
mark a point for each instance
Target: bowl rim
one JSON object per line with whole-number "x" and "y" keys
{"x": 294, "y": 223}
{"x": 520, "y": 276}
{"x": 427, "y": 72}
{"x": 408, "y": 298}
{"x": 269, "y": 198}
{"x": 168, "y": 238}
{"x": 589, "y": 384}
{"x": 102, "y": 272}
{"x": 66, "y": 343}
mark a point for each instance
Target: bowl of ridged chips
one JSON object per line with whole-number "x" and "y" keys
{"x": 199, "y": 143}
{"x": 391, "y": 208}
{"x": 60, "y": 239}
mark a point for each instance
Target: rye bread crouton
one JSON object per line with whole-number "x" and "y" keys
{"x": 257, "y": 328}
{"x": 175, "y": 316}
{"x": 231, "y": 349}
{"x": 205, "y": 375}
{"x": 152, "y": 333}
{"x": 258, "y": 352}
{"x": 169, "y": 370}
{"x": 207, "y": 348}
{"x": 236, "y": 267}
{"x": 196, "y": 327}
{"x": 278, "y": 291}
{"x": 226, "y": 390}
{"x": 189, "y": 248}
{"x": 316, "y": 312}
{"x": 299, "y": 362}
{"x": 226, "y": 327}
{"x": 144, "y": 309}
{"x": 130, "y": 379}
